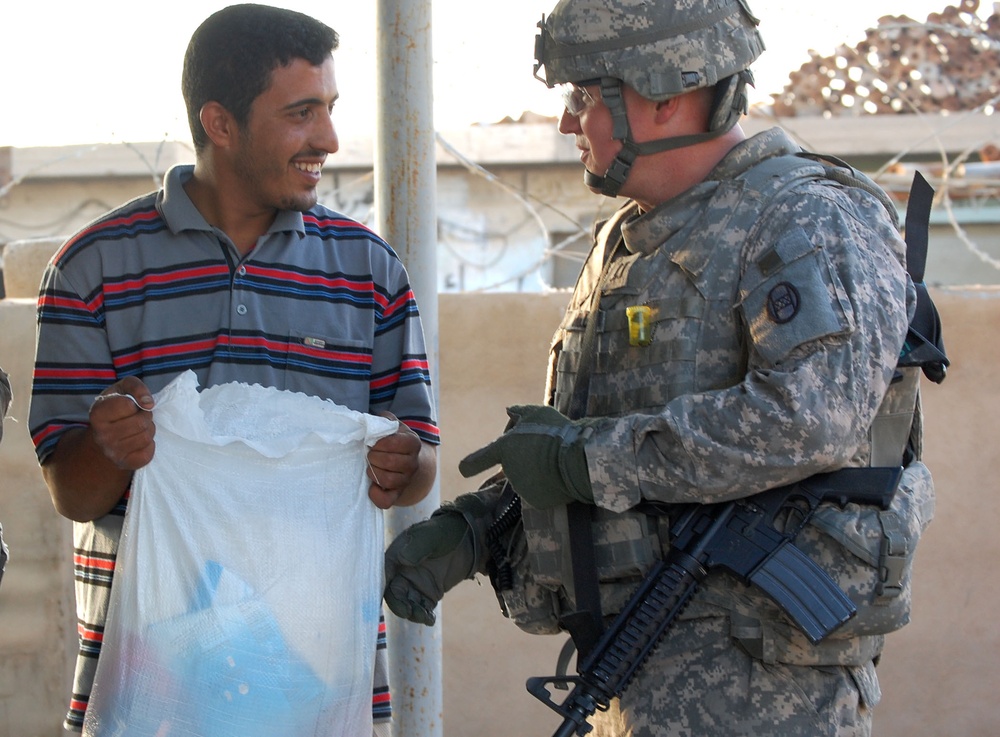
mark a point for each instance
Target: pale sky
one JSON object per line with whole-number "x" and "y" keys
{"x": 109, "y": 70}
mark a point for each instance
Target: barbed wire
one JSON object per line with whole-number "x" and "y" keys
{"x": 532, "y": 204}
{"x": 75, "y": 154}
{"x": 355, "y": 196}
{"x": 59, "y": 224}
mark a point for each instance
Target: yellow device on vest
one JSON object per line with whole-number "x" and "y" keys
{"x": 640, "y": 325}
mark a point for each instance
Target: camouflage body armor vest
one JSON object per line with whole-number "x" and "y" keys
{"x": 690, "y": 282}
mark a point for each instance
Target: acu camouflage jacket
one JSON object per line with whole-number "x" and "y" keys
{"x": 774, "y": 317}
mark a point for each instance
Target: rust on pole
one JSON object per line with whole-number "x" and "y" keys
{"x": 406, "y": 216}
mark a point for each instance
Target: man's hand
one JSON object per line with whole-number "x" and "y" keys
{"x": 91, "y": 467}
{"x": 431, "y": 557}
{"x": 122, "y": 423}
{"x": 401, "y": 468}
{"x": 542, "y": 455}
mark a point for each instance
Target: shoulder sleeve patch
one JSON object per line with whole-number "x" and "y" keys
{"x": 791, "y": 295}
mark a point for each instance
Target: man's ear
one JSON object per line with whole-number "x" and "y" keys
{"x": 219, "y": 124}
{"x": 666, "y": 109}
{"x": 690, "y": 108}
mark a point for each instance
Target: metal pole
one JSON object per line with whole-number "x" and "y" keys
{"x": 406, "y": 216}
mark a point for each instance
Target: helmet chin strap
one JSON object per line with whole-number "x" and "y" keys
{"x": 730, "y": 103}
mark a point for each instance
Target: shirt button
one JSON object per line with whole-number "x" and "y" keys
{"x": 241, "y": 310}
{"x": 242, "y": 271}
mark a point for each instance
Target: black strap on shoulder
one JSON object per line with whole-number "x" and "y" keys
{"x": 584, "y": 624}
{"x": 918, "y": 213}
{"x": 924, "y": 346}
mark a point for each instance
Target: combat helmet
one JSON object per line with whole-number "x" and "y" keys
{"x": 661, "y": 48}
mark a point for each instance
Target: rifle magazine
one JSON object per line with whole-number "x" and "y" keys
{"x": 804, "y": 591}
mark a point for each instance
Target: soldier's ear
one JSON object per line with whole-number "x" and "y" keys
{"x": 667, "y": 109}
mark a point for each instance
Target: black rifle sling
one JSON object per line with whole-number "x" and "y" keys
{"x": 924, "y": 345}
{"x": 916, "y": 233}
{"x": 585, "y": 623}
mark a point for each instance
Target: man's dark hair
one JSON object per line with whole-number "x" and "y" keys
{"x": 232, "y": 54}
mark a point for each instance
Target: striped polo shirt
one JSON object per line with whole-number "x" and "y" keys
{"x": 321, "y": 305}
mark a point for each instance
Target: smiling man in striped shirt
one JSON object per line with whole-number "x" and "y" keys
{"x": 232, "y": 270}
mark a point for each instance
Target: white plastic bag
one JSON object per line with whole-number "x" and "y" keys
{"x": 247, "y": 590}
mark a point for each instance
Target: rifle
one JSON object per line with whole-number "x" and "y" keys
{"x": 738, "y": 536}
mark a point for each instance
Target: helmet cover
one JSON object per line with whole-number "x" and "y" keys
{"x": 661, "y": 48}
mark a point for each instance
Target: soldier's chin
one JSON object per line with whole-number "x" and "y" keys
{"x": 594, "y": 182}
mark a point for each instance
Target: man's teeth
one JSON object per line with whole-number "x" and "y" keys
{"x": 311, "y": 168}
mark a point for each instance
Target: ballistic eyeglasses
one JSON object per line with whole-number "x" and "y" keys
{"x": 575, "y": 97}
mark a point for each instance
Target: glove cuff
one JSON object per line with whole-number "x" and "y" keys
{"x": 573, "y": 466}
{"x": 477, "y": 515}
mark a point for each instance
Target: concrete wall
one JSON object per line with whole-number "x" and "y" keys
{"x": 37, "y": 614}
{"x": 938, "y": 675}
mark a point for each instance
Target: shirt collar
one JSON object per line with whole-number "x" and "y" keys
{"x": 180, "y": 214}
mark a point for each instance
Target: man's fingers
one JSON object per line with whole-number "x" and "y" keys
{"x": 407, "y": 603}
{"x": 481, "y": 460}
{"x": 113, "y": 407}
{"x": 125, "y": 439}
{"x": 393, "y": 460}
{"x": 383, "y": 498}
{"x": 131, "y": 389}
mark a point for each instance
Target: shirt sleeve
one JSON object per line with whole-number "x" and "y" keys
{"x": 401, "y": 377}
{"x": 73, "y": 361}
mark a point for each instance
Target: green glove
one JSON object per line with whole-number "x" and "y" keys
{"x": 542, "y": 455}
{"x": 429, "y": 558}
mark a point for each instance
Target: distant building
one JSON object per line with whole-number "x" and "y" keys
{"x": 513, "y": 213}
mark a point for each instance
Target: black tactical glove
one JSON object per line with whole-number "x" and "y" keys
{"x": 542, "y": 455}
{"x": 431, "y": 557}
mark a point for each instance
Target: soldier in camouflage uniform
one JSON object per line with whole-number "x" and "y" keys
{"x": 735, "y": 328}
